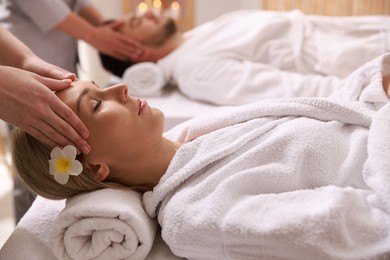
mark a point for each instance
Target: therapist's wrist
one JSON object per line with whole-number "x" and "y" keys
{"x": 23, "y": 61}
{"x": 90, "y": 35}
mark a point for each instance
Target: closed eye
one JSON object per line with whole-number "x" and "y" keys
{"x": 135, "y": 21}
{"x": 98, "y": 103}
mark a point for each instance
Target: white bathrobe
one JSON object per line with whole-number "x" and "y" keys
{"x": 299, "y": 178}
{"x": 246, "y": 56}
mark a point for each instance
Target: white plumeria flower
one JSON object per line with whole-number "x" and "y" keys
{"x": 63, "y": 163}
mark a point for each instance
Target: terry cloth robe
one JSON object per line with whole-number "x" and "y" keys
{"x": 300, "y": 178}
{"x": 246, "y": 56}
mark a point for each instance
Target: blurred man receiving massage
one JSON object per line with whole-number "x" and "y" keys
{"x": 245, "y": 56}
{"x": 287, "y": 178}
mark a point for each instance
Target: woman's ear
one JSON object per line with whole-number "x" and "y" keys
{"x": 99, "y": 171}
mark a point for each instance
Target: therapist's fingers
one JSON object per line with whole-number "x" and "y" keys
{"x": 145, "y": 55}
{"x": 66, "y": 122}
{"x": 55, "y": 123}
{"x": 128, "y": 46}
{"x": 125, "y": 38}
{"x": 39, "y": 135}
{"x": 55, "y": 84}
{"x": 48, "y": 135}
{"x": 116, "y": 25}
{"x": 62, "y": 126}
{"x": 116, "y": 44}
{"x": 136, "y": 54}
{"x": 58, "y": 73}
{"x": 126, "y": 53}
{"x": 45, "y": 69}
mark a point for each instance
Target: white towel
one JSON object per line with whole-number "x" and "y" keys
{"x": 104, "y": 224}
{"x": 144, "y": 79}
{"x": 31, "y": 237}
{"x": 302, "y": 178}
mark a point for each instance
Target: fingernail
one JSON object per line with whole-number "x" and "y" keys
{"x": 84, "y": 134}
{"x": 66, "y": 82}
{"x": 85, "y": 149}
{"x": 70, "y": 75}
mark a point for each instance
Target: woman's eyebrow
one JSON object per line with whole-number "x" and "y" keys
{"x": 94, "y": 83}
{"x": 82, "y": 94}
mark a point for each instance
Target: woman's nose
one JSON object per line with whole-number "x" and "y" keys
{"x": 121, "y": 92}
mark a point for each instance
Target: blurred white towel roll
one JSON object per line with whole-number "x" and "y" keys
{"x": 144, "y": 79}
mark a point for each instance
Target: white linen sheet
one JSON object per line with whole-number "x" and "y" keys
{"x": 302, "y": 178}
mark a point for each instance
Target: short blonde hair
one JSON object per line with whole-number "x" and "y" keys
{"x": 31, "y": 162}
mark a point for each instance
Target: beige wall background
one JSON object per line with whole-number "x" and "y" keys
{"x": 331, "y": 7}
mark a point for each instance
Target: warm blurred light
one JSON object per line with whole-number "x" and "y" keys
{"x": 142, "y": 7}
{"x": 175, "y": 5}
{"x": 156, "y": 3}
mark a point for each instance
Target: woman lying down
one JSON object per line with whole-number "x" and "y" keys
{"x": 300, "y": 178}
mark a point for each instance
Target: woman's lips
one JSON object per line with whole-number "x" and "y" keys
{"x": 142, "y": 105}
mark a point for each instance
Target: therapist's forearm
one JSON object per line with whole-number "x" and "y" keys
{"x": 77, "y": 27}
{"x": 92, "y": 15}
{"x": 14, "y": 52}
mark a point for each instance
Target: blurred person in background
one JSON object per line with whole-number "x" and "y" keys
{"x": 51, "y": 29}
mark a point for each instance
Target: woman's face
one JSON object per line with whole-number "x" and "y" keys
{"x": 148, "y": 28}
{"x": 123, "y": 129}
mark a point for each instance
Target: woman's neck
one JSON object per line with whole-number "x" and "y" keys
{"x": 167, "y": 152}
{"x": 149, "y": 169}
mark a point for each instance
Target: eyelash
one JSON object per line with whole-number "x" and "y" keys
{"x": 98, "y": 103}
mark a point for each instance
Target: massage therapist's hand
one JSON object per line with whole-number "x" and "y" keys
{"x": 37, "y": 65}
{"x": 111, "y": 42}
{"x": 27, "y": 101}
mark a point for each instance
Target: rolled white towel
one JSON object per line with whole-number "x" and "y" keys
{"x": 104, "y": 224}
{"x": 144, "y": 79}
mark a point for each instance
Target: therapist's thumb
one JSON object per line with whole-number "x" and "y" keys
{"x": 116, "y": 25}
{"x": 56, "y": 84}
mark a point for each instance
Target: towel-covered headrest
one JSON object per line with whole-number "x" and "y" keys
{"x": 144, "y": 79}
